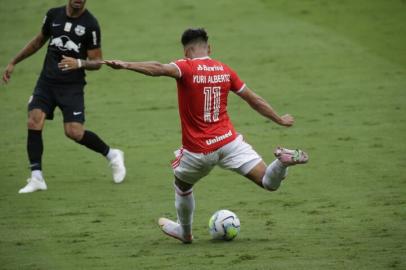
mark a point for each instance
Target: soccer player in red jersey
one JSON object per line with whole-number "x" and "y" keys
{"x": 208, "y": 136}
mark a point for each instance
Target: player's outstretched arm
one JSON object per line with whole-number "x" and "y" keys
{"x": 151, "y": 68}
{"x": 32, "y": 47}
{"x": 93, "y": 62}
{"x": 263, "y": 107}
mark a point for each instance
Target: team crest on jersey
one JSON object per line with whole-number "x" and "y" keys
{"x": 80, "y": 30}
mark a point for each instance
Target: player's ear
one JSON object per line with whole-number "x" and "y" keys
{"x": 208, "y": 49}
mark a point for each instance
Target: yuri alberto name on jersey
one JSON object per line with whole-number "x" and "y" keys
{"x": 203, "y": 79}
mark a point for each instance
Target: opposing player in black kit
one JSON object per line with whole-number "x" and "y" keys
{"x": 74, "y": 45}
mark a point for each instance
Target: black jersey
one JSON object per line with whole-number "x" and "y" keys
{"x": 71, "y": 37}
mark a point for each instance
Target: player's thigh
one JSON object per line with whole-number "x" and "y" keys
{"x": 190, "y": 167}
{"x": 240, "y": 157}
{"x": 71, "y": 101}
{"x": 41, "y": 103}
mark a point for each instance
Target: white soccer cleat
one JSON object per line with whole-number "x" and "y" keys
{"x": 117, "y": 165}
{"x": 173, "y": 229}
{"x": 291, "y": 157}
{"x": 34, "y": 184}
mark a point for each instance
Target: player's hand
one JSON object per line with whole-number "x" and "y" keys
{"x": 116, "y": 64}
{"x": 286, "y": 120}
{"x": 68, "y": 63}
{"x": 7, "y": 73}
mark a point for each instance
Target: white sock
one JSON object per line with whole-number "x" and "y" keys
{"x": 37, "y": 174}
{"x": 274, "y": 174}
{"x": 185, "y": 206}
{"x": 111, "y": 154}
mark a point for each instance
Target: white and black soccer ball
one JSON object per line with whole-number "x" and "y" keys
{"x": 224, "y": 225}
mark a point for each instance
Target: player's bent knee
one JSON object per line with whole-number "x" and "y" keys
{"x": 74, "y": 134}
{"x": 34, "y": 123}
{"x": 182, "y": 185}
{"x": 31, "y": 124}
{"x": 36, "y": 119}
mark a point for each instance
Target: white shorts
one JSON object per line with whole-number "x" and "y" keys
{"x": 236, "y": 155}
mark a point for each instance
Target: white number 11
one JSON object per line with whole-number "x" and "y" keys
{"x": 211, "y": 103}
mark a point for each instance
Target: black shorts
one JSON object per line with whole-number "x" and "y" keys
{"x": 69, "y": 98}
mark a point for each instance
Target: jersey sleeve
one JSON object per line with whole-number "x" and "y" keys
{"x": 93, "y": 37}
{"x": 46, "y": 24}
{"x": 182, "y": 66}
{"x": 237, "y": 85}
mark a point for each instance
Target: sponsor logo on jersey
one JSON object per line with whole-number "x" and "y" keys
{"x": 219, "y": 138}
{"x": 67, "y": 27}
{"x": 209, "y": 68}
{"x": 94, "y": 38}
{"x": 80, "y": 30}
{"x": 64, "y": 43}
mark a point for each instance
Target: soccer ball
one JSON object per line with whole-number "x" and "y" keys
{"x": 224, "y": 225}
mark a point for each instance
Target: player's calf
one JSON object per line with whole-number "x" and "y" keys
{"x": 275, "y": 173}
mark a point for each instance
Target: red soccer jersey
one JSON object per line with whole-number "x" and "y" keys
{"x": 202, "y": 96}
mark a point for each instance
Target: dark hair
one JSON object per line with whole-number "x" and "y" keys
{"x": 194, "y": 34}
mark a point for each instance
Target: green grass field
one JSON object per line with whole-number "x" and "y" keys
{"x": 338, "y": 66}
